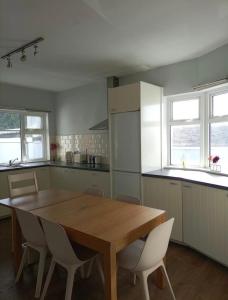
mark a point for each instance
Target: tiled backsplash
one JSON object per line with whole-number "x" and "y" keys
{"x": 96, "y": 144}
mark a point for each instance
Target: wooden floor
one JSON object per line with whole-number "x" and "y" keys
{"x": 193, "y": 276}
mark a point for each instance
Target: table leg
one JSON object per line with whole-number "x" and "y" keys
{"x": 159, "y": 279}
{"x": 110, "y": 270}
{"x": 16, "y": 241}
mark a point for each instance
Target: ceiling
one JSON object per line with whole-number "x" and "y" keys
{"x": 86, "y": 40}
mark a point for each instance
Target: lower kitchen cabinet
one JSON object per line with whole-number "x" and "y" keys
{"x": 165, "y": 194}
{"x": 79, "y": 180}
{"x": 205, "y": 214}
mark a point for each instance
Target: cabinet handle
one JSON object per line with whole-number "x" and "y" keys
{"x": 187, "y": 186}
{"x": 173, "y": 183}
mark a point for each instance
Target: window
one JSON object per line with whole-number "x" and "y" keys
{"x": 184, "y": 132}
{"x": 23, "y": 135}
{"x": 197, "y": 127}
{"x": 218, "y": 128}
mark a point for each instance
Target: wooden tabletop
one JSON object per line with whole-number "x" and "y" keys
{"x": 106, "y": 220}
{"x": 41, "y": 199}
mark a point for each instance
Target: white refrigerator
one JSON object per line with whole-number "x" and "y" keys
{"x": 126, "y": 156}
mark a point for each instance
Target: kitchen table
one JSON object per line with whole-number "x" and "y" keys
{"x": 104, "y": 225}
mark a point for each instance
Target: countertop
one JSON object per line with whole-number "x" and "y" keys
{"x": 199, "y": 177}
{"x": 80, "y": 166}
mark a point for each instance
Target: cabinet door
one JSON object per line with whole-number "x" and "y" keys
{"x": 212, "y": 223}
{"x": 204, "y": 217}
{"x": 167, "y": 195}
{"x": 226, "y": 228}
{"x": 173, "y": 206}
{"x": 124, "y": 98}
{"x": 57, "y": 177}
{"x": 43, "y": 178}
{"x": 93, "y": 179}
{"x": 152, "y": 192}
{"x": 191, "y": 194}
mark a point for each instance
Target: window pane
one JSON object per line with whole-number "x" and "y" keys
{"x": 34, "y": 146}
{"x": 185, "y": 145}
{"x": 186, "y": 110}
{"x": 10, "y": 146}
{"x": 219, "y": 143}
{"x": 9, "y": 120}
{"x": 220, "y": 105}
{"x": 33, "y": 122}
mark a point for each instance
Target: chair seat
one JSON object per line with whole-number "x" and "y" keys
{"x": 129, "y": 257}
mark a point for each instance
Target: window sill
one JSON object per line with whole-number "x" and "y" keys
{"x": 205, "y": 170}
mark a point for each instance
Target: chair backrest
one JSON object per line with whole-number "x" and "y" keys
{"x": 95, "y": 192}
{"x": 59, "y": 244}
{"x": 128, "y": 199}
{"x": 31, "y": 227}
{"x": 155, "y": 246}
{"x": 22, "y": 184}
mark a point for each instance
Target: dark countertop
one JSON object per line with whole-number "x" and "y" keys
{"x": 81, "y": 166}
{"x": 89, "y": 167}
{"x": 199, "y": 177}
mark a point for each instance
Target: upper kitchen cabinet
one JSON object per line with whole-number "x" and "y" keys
{"x": 124, "y": 98}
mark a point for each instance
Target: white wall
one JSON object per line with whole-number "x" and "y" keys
{"x": 12, "y": 96}
{"x": 181, "y": 77}
{"x": 79, "y": 109}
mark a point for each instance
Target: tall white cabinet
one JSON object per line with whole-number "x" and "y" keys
{"x": 135, "y": 135}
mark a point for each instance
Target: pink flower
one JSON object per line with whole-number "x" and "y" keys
{"x": 215, "y": 159}
{"x": 53, "y": 146}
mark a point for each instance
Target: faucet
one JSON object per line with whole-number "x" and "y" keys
{"x": 12, "y": 161}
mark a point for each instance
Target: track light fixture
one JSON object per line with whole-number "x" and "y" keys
{"x": 33, "y": 43}
{"x": 23, "y": 56}
{"x": 9, "y": 64}
{"x": 35, "y": 50}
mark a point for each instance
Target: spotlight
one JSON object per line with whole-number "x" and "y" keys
{"x": 21, "y": 49}
{"x": 23, "y": 56}
{"x": 9, "y": 64}
{"x": 35, "y": 50}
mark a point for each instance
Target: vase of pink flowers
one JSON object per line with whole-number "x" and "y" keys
{"x": 213, "y": 163}
{"x": 53, "y": 150}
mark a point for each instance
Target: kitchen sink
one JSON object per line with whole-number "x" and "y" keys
{"x": 12, "y": 166}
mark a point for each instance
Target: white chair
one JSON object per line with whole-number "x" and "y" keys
{"x": 143, "y": 258}
{"x": 63, "y": 254}
{"x": 35, "y": 239}
{"x": 94, "y": 192}
{"x": 128, "y": 199}
{"x": 21, "y": 184}
{"x": 29, "y": 186}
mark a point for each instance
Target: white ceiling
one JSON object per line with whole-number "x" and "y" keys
{"x": 86, "y": 40}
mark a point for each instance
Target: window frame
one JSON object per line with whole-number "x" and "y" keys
{"x": 171, "y": 122}
{"x": 23, "y": 131}
{"x": 214, "y": 119}
{"x": 205, "y": 119}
